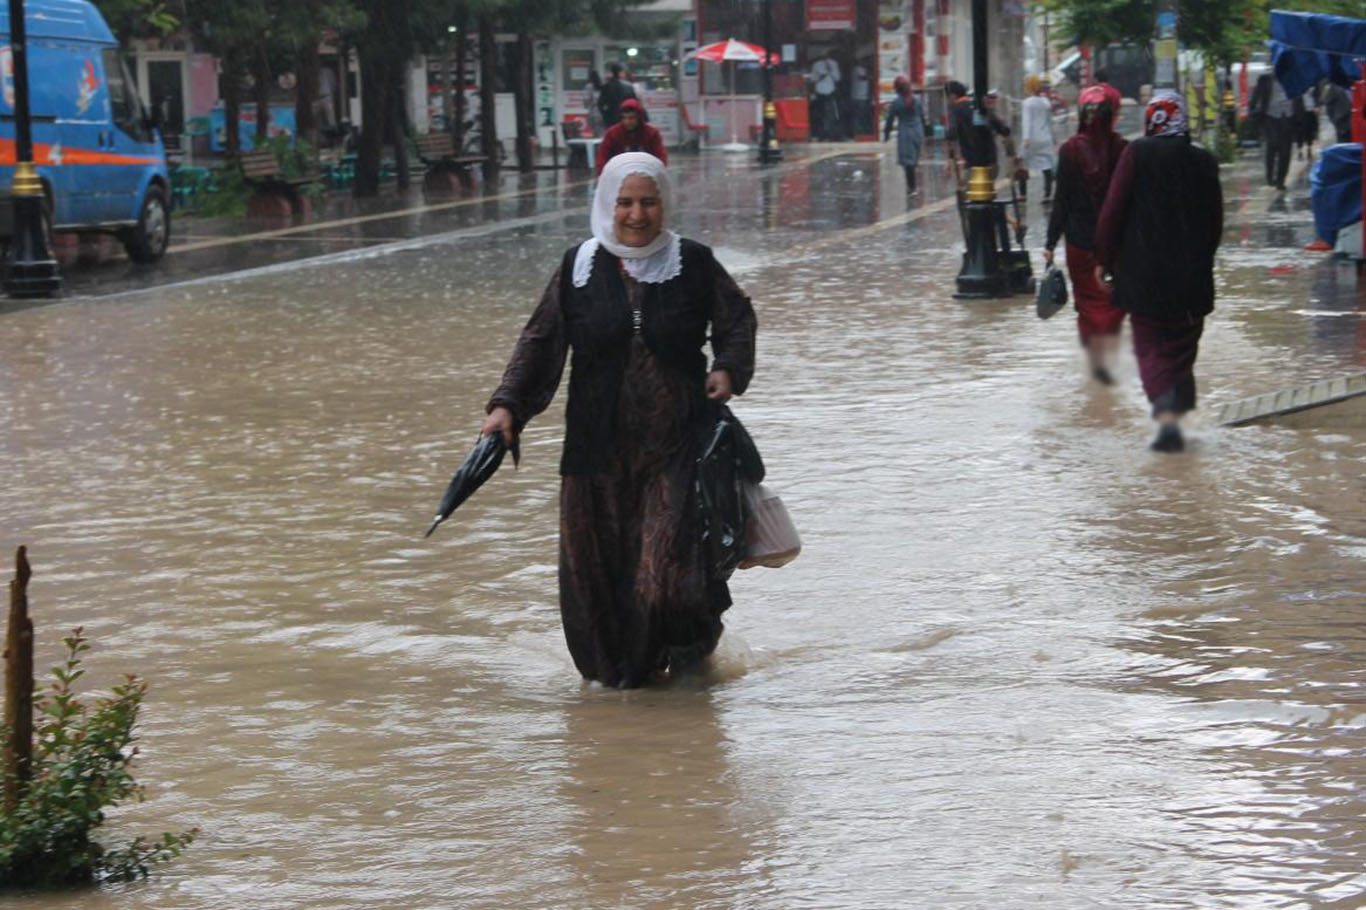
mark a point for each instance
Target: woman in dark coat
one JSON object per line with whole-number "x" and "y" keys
{"x": 632, "y": 307}
{"x": 1085, "y": 163}
{"x": 1158, "y": 231}
{"x": 909, "y": 117}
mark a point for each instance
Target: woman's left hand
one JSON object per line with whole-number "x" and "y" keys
{"x": 718, "y": 385}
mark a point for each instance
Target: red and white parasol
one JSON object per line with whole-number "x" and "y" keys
{"x": 732, "y": 51}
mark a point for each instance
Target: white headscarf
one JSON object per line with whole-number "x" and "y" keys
{"x": 657, "y": 261}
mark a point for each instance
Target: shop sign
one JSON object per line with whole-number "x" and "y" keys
{"x": 829, "y": 14}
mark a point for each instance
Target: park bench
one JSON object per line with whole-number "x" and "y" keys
{"x": 275, "y": 193}
{"x": 437, "y": 151}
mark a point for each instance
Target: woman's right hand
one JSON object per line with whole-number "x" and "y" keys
{"x": 1047, "y": 257}
{"x": 499, "y": 421}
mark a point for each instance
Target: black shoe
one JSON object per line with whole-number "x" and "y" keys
{"x": 1102, "y": 375}
{"x": 1169, "y": 439}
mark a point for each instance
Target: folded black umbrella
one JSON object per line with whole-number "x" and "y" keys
{"x": 478, "y": 467}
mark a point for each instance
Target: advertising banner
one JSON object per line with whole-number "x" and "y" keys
{"x": 830, "y": 14}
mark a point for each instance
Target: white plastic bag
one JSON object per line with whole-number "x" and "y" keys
{"x": 771, "y": 538}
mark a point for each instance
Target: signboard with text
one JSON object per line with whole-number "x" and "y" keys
{"x": 830, "y": 14}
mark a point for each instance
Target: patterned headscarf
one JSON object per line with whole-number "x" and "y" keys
{"x": 1166, "y": 115}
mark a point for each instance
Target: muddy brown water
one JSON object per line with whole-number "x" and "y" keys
{"x": 1023, "y": 662}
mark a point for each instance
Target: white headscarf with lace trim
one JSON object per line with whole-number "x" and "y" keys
{"x": 657, "y": 261}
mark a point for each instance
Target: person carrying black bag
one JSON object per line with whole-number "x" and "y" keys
{"x": 633, "y": 306}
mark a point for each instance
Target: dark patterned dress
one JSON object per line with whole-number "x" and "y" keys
{"x": 635, "y": 594}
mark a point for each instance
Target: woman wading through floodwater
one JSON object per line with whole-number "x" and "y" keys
{"x": 632, "y": 308}
{"x": 1085, "y": 163}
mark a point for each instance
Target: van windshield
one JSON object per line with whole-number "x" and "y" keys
{"x": 125, "y": 106}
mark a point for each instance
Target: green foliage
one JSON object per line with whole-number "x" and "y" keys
{"x": 138, "y": 18}
{"x": 82, "y": 762}
{"x": 227, "y": 196}
{"x": 1222, "y": 29}
{"x": 1225, "y": 145}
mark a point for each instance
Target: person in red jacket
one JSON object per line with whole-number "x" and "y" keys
{"x": 630, "y": 134}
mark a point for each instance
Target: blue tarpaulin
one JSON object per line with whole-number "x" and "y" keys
{"x": 1335, "y": 189}
{"x": 1307, "y": 47}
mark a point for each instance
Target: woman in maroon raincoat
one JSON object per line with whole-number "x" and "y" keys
{"x": 632, "y": 308}
{"x": 1085, "y": 163}
{"x": 1158, "y": 231}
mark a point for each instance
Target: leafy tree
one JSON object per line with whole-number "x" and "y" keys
{"x": 137, "y": 18}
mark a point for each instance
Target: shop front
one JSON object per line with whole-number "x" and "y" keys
{"x": 824, "y": 85}
{"x": 651, "y": 67}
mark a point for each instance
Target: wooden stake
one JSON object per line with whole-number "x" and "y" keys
{"x": 18, "y": 756}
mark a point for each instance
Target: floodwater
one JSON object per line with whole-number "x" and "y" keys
{"x": 1022, "y": 662}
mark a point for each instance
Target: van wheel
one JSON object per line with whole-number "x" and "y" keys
{"x": 147, "y": 242}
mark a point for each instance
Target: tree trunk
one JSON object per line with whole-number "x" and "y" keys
{"x": 261, "y": 93}
{"x": 447, "y": 94}
{"x": 374, "y": 85}
{"x": 398, "y": 127}
{"x": 488, "y": 51}
{"x": 462, "y": 44}
{"x": 306, "y": 93}
{"x": 232, "y": 105}
{"x": 522, "y": 98}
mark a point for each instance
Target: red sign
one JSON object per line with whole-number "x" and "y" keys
{"x": 829, "y": 14}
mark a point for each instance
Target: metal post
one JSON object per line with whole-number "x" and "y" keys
{"x": 769, "y": 153}
{"x": 30, "y": 269}
{"x": 1165, "y": 73}
{"x": 981, "y": 274}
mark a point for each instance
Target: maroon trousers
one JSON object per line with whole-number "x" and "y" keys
{"x": 1166, "y": 360}
{"x": 1096, "y": 315}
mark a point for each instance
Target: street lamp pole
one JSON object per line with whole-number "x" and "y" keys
{"x": 769, "y": 153}
{"x": 981, "y": 275}
{"x": 30, "y": 270}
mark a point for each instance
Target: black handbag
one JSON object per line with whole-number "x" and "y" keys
{"x": 729, "y": 460}
{"x": 1052, "y": 295}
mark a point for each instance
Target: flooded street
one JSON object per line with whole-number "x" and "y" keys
{"x": 1022, "y": 661}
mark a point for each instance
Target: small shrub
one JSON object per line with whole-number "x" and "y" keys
{"x": 81, "y": 765}
{"x": 228, "y": 197}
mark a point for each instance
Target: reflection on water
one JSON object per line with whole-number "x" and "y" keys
{"x": 1022, "y": 661}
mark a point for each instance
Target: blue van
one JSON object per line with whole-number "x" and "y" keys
{"x": 98, "y": 154}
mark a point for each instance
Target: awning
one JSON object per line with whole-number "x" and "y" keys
{"x": 1307, "y": 47}
{"x": 1335, "y": 189}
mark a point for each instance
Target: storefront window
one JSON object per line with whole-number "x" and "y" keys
{"x": 652, "y": 67}
{"x": 575, "y": 65}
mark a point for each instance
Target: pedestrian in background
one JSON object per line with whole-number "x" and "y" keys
{"x": 1158, "y": 231}
{"x": 635, "y": 304}
{"x": 1277, "y": 113}
{"x": 591, "y": 92}
{"x": 997, "y": 122}
{"x": 967, "y": 147}
{"x": 614, "y": 91}
{"x": 860, "y": 97}
{"x": 1307, "y": 131}
{"x": 1337, "y": 104}
{"x": 631, "y": 134}
{"x": 1039, "y": 148}
{"x": 908, "y": 116}
{"x": 825, "y": 80}
{"x": 1086, "y": 162}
